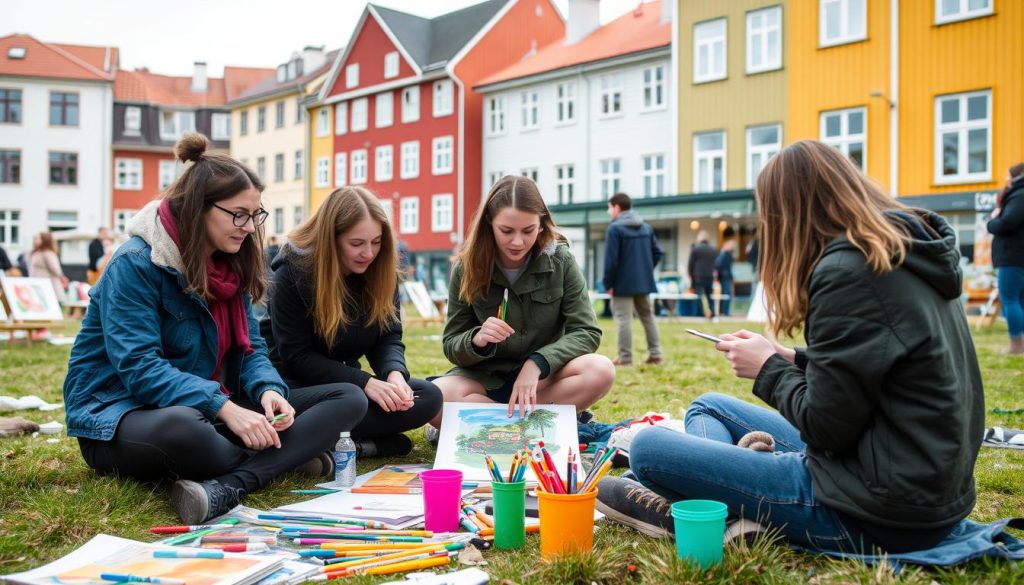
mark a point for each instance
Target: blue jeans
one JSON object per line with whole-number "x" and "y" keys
{"x": 726, "y": 285}
{"x": 774, "y": 489}
{"x": 1011, "y": 296}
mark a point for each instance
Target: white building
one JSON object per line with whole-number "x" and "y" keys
{"x": 55, "y": 139}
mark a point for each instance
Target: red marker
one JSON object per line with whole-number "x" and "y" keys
{"x": 251, "y": 547}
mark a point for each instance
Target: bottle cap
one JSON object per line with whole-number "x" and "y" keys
{"x": 345, "y": 434}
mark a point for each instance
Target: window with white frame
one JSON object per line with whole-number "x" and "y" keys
{"x": 323, "y": 122}
{"x": 496, "y": 115}
{"x": 352, "y": 75}
{"x": 764, "y": 39}
{"x": 359, "y": 114}
{"x": 444, "y": 98}
{"x": 299, "y": 162}
{"x": 611, "y": 177}
{"x": 709, "y": 162}
{"x": 175, "y": 123}
{"x": 58, "y": 221}
{"x": 341, "y": 118}
{"x": 279, "y": 220}
{"x": 297, "y": 214}
{"x": 220, "y": 124}
{"x": 532, "y": 173}
{"x": 323, "y": 171}
{"x": 654, "y": 175}
{"x": 279, "y": 114}
{"x": 611, "y": 94}
{"x": 410, "y": 160}
{"x": 493, "y": 177}
{"x": 565, "y": 109}
{"x": 847, "y": 131}
{"x": 411, "y": 104}
{"x": 132, "y": 121}
{"x": 384, "y": 108}
{"x": 340, "y": 169}
{"x": 243, "y": 123}
{"x": 128, "y": 174}
{"x": 963, "y": 137}
{"x": 954, "y": 10}
{"x": 261, "y": 118}
{"x": 279, "y": 167}
{"x": 529, "y": 103}
{"x": 565, "y": 184}
{"x": 842, "y": 21}
{"x": 10, "y": 227}
{"x": 299, "y": 110}
{"x": 389, "y": 209}
{"x": 441, "y": 155}
{"x": 763, "y": 142}
{"x": 391, "y": 65}
{"x": 359, "y": 164}
{"x": 383, "y": 168}
{"x": 121, "y": 219}
{"x": 441, "y": 213}
{"x": 654, "y": 87}
{"x": 409, "y": 216}
{"x": 261, "y": 168}
{"x": 709, "y": 54}
{"x": 168, "y": 173}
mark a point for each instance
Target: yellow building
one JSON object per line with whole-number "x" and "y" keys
{"x": 321, "y": 152}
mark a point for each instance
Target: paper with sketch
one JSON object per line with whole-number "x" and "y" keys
{"x": 471, "y": 430}
{"x": 398, "y": 510}
{"x": 110, "y": 554}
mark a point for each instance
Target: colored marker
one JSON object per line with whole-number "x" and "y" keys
{"x": 188, "y": 554}
{"x": 314, "y": 492}
{"x": 241, "y": 539}
{"x": 250, "y": 547}
{"x": 184, "y": 529}
{"x": 503, "y": 307}
{"x": 278, "y": 418}
{"x": 122, "y": 578}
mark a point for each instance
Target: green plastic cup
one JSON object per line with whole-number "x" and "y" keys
{"x": 509, "y": 514}
{"x": 700, "y": 527}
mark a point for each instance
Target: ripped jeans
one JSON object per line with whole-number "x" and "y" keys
{"x": 773, "y": 489}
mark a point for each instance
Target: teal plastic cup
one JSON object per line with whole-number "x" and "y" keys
{"x": 700, "y": 527}
{"x": 509, "y": 514}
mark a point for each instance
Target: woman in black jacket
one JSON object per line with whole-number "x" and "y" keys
{"x": 1007, "y": 229}
{"x": 879, "y": 419}
{"x": 333, "y": 301}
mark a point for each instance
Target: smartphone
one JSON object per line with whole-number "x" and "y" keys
{"x": 704, "y": 335}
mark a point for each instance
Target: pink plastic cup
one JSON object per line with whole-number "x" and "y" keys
{"x": 442, "y": 490}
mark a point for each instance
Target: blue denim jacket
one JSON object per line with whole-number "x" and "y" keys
{"x": 145, "y": 343}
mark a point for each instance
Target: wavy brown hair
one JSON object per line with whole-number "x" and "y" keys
{"x": 213, "y": 177}
{"x": 46, "y": 243}
{"x": 317, "y": 259}
{"x": 808, "y": 194}
{"x": 480, "y": 251}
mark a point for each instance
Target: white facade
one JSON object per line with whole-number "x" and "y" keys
{"x": 40, "y": 205}
{"x": 617, "y": 121}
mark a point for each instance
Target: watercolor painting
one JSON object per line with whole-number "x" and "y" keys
{"x": 32, "y": 299}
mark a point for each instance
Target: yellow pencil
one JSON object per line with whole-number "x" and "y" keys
{"x": 592, "y": 485}
{"x": 407, "y": 566}
{"x": 396, "y": 555}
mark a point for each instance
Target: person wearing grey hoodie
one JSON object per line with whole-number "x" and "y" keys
{"x": 631, "y": 252}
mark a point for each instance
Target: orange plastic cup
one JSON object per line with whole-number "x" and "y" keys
{"x": 566, "y": 523}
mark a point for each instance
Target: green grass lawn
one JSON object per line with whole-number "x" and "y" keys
{"x": 50, "y": 502}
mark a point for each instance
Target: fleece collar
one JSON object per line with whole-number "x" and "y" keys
{"x": 146, "y": 224}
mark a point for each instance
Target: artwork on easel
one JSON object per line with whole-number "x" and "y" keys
{"x": 471, "y": 430}
{"x": 32, "y": 299}
{"x": 421, "y": 299}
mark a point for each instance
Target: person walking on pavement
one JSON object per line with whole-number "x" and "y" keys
{"x": 701, "y": 269}
{"x": 630, "y": 255}
{"x": 723, "y": 269}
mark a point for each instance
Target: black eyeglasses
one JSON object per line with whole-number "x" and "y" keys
{"x": 241, "y": 218}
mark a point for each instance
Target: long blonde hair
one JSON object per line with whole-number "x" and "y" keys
{"x": 477, "y": 257}
{"x": 808, "y": 194}
{"x": 317, "y": 238}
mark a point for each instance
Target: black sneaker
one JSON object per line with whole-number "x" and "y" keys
{"x": 584, "y": 416}
{"x": 320, "y": 466}
{"x": 394, "y": 446}
{"x": 627, "y": 502}
{"x": 197, "y": 502}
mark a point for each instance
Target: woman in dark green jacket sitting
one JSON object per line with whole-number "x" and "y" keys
{"x": 879, "y": 420}
{"x": 538, "y": 347}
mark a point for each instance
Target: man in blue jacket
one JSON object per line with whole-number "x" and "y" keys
{"x": 630, "y": 255}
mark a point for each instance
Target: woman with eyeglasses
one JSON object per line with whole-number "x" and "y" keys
{"x": 169, "y": 376}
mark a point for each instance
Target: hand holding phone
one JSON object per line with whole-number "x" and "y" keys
{"x": 711, "y": 338}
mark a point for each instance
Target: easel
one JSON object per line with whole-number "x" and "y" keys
{"x": 989, "y": 312}
{"x": 10, "y": 326}
{"x": 428, "y": 309}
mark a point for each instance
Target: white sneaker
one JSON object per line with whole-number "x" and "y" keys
{"x": 743, "y": 529}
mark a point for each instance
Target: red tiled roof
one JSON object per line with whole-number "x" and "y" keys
{"x": 635, "y": 31}
{"x": 56, "y": 61}
{"x": 168, "y": 90}
{"x": 239, "y": 79}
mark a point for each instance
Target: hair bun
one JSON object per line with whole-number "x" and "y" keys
{"x": 190, "y": 147}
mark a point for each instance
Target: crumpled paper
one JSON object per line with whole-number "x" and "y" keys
{"x": 30, "y": 402}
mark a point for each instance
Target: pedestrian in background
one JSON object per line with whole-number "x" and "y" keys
{"x": 1007, "y": 229}
{"x": 701, "y": 269}
{"x": 723, "y": 270}
{"x": 44, "y": 263}
{"x": 97, "y": 250}
{"x": 631, "y": 252}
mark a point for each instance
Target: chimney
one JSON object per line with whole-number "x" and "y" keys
{"x": 313, "y": 58}
{"x": 584, "y": 18}
{"x": 667, "y": 8}
{"x": 199, "y": 77}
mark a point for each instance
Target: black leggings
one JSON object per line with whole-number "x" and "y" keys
{"x": 179, "y": 442}
{"x": 427, "y": 401}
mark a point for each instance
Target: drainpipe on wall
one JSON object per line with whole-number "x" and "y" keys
{"x": 894, "y": 92}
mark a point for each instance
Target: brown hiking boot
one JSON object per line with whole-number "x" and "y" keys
{"x": 654, "y": 360}
{"x": 621, "y": 362}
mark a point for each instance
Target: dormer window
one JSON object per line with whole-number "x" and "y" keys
{"x": 16, "y": 52}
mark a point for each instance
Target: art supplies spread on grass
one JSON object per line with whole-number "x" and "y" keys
{"x": 109, "y": 554}
{"x": 469, "y": 431}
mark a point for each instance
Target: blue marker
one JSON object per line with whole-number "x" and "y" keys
{"x": 186, "y": 554}
{"x": 121, "y": 578}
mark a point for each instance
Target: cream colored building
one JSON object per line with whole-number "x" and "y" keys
{"x": 269, "y": 135}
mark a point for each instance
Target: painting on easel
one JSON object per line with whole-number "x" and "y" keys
{"x": 32, "y": 299}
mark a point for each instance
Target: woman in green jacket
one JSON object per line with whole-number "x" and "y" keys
{"x": 521, "y": 329}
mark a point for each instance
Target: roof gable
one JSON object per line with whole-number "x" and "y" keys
{"x": 56, "y": 61}
{"x": 270, "y": 85}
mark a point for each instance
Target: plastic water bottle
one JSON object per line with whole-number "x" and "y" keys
{"x": 345, "y": 461}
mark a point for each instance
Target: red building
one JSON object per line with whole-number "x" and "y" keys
{"x": 408, "y": 124}
{"x": 151, "y": 112}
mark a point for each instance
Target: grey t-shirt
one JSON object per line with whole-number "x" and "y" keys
{"x": 513, "y": 274}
